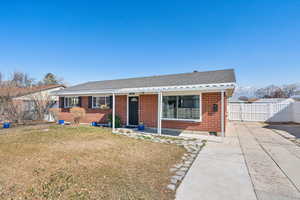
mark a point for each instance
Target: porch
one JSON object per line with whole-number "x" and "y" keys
{"x": 173, "y": 113}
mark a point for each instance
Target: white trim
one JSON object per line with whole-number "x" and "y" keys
{"x": 127, "y": 111}
{"x": 176, "y": 93}
{"x": 190, "y": 120}
{"x": 222, "y": 115}
{"x": 96, "y": 107}
{"x": 138, "y": 97}
{"x": 159, "y": 112}
{"x": 199, "y": 87}
{"x": 200, "y": 107}
{"x": 187, "y": 120}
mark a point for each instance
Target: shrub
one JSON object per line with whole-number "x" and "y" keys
{"x": 117, "y": 120}
{"x": 77, "y": 113}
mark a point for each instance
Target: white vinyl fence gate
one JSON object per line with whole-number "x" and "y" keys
{"x": 265, "y": 112}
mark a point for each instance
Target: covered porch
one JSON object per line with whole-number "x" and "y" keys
{"x": 174, "y": 111}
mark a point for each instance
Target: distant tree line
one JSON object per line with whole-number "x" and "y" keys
{"x": 21, "y": 79}
{"x": 273, "y": 91}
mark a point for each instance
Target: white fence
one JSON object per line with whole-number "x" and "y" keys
{"x": 265, "y": 112}
{"x": 296, "y": 111}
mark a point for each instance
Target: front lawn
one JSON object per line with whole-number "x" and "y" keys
{"x": 66, "y": 162}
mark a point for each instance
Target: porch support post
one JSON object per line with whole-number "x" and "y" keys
{"x": 222, "y": 114}
{"x": 159, "y": 112}
{"x": 127, "y": 110}
{"x": 113, "y": 112}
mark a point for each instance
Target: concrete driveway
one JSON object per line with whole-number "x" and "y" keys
{"x": 253, "y": 162}
{"x": 291, "y": 129}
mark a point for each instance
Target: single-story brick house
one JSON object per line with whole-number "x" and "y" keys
{"x": 190, "y": 101}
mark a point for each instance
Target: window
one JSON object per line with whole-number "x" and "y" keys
{"x": 181, "y": 107}
{"x": 101, "y": 102}
{"x": 71, "y": 102}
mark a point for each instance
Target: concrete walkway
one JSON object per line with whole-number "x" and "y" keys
{"x": 219, "y": 172}
{"x": 253, "y": 162}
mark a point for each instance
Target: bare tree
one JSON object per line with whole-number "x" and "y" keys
{"x": 21, "y": 79}
{"x": 278, "y": 93}
{"x": 274, "y": 91}
{"x": 10, "y": 110}
{"x": 290, "y": 90}
{"x": 41, "y": 105}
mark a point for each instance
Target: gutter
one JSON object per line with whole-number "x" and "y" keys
{"x": 202, "y": 87}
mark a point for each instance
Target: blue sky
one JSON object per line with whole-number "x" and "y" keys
{"x": 94, "y": 40}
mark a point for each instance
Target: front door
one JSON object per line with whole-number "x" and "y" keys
{"x": 133, "y": 103}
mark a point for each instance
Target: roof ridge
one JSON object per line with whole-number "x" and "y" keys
{"x": 230, "y": 69}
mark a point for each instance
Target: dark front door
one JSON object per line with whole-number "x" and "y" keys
{"x": 133, "y": 110}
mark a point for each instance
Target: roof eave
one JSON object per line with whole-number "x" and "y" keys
{"x": 201, "y": 87}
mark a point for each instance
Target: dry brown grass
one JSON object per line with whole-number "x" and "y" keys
{"x": 60, "y": 162}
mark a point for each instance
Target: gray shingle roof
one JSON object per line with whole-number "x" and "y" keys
{"x": 194, "y": 78}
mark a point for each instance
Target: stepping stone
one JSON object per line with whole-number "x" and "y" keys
{"x": 178, "y": 165}
{"x": 171, "y": 187}
{"x": 184, "y": 169}
{"x": 173, "y": 169}
{"x": 180, "y": 173}
{"x": 179, "y": 178}
{"x": 186, "y": 165}
{"x": 188, "y": 161}
{"x": 174, "y": 181}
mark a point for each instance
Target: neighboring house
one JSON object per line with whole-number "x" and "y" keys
{"x": 191, "y": 101}
{"x": 27, "y": 95}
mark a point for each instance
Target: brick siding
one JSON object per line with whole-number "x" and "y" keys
{"x": 211, "y": 121}
{"x": 97, "y": 115}
{"x": 148, "y": 110}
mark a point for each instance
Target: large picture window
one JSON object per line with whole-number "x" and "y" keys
{"x": 101, "y": 102}
{"x": 71, "y": 102}
{"x": 181, "y": 107}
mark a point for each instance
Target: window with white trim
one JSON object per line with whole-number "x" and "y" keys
{"x": 101, "y": 102}
{"x": 183, "y": 107}
{"x": 71, "y": 102}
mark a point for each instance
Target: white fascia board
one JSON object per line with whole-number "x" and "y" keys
{"x": 84, "y": 93}
{"x": 201, "y": 87}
